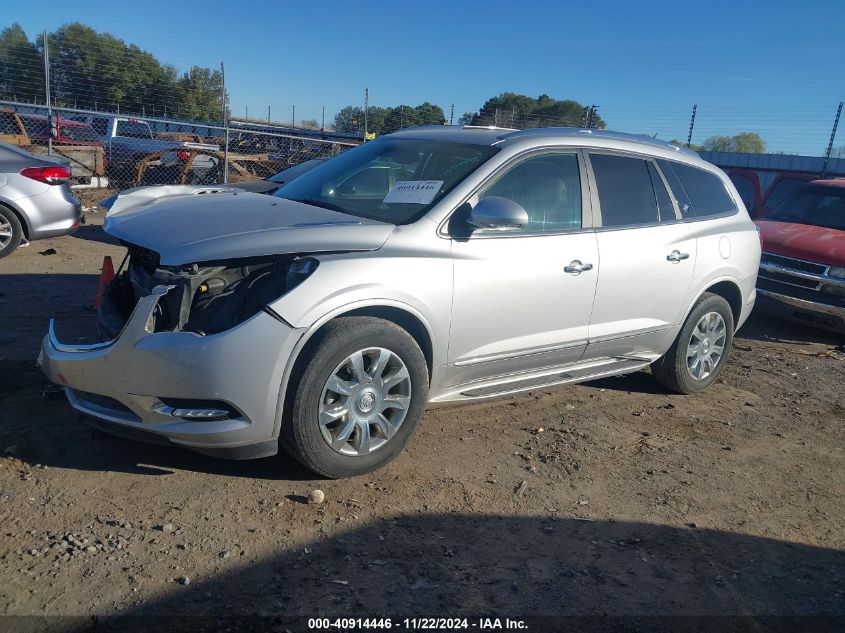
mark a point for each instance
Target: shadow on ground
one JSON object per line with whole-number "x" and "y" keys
{"x": 450, "y": 565}
{"x": 94, "y": 233}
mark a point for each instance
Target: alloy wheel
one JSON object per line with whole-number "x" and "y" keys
{"x": 706, "y": 345}
{"x": 364, "y": 401}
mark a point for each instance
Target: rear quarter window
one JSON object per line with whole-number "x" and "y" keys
{"x": 705, "y": 192}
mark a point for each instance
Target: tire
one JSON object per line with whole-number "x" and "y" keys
{"x": 11, "y": 232}
{"x": 672, "y": 369}
{"x": 306, "y": 436}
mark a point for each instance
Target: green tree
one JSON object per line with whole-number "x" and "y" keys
{"x": 349, "y": 119}
{"x": 386, "y": 120}
{"x": 98, "y": 70}
{"x": 510, "y": 109}
{"x": 200, "y": 91}
{"x": 21, "y": 67}
{"x": 746, "y": 142}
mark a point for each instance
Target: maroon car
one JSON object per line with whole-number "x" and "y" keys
{"x": 802, "y": 269}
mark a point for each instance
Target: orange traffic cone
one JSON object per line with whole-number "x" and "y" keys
{"x": 106, "y": 276}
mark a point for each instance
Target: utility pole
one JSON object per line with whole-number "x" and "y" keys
{"x": 366, "y": 107}
{"x": 588, "y": 116}
{"x": 47, "y": 94}
{"x": 691, "y": 125}
{"x": 451, "y": 114}
{"x": 832, "y": 136}
{"x": 324, "y": 119}
{"x": 268, "y": 114}
{"x": 246, "y": 112}
{"x": 225, "y": 128}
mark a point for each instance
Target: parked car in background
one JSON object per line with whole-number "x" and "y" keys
{"x": 468, "y": 264}
{"x": 12, "y": 129}
{"x": 802, "y": 269}
{"x": 272, "y": 184}
{"x": 127, "y": 140}
{"x": 66, "y": 131}
{"x": 35, "y": 199}
{"x": 759, "y": 202}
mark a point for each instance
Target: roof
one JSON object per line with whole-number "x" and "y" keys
{"x": 575, "y": 136}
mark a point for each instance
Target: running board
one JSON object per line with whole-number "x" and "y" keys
{"x": 508, "y": 385}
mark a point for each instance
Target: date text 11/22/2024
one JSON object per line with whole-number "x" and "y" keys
{"x": 416, "y": 624}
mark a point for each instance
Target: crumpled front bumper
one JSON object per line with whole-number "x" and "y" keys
{"x": 122, "y": 382}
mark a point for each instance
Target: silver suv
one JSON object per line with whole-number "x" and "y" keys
{"x": 432, "y": 266}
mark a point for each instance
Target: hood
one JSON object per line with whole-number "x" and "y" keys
{"x": 185, "y": 224}
{"x": 804, "y": 241}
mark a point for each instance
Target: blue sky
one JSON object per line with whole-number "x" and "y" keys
{"x": 760, "y": 66}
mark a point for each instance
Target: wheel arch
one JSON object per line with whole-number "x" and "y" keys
{"x": 403, "y": 315}
{"x": 729, "y": 290}
{"x": 27, "y": 229}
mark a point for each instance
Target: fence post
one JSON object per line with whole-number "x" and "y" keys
{"x": 451, "y": 114}
{"x": 225, "y": 127}
{"x": 366, "y": 108}
{"x": 47, "y": 94}
{"x": 832, "y": 137}
{"x": 691, "y": 124}
{"x": 324, "y": 119}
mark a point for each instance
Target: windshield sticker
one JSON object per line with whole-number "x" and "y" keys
{"x": 413, "y": 192}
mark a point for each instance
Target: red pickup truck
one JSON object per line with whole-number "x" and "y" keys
{"x": 802, "y": 269}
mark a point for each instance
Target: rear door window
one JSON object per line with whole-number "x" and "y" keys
{"x": 664, "y": 203}
{"x": 626, "y": 194}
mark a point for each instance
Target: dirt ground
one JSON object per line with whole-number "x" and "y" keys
{"x": 608, "y": 498}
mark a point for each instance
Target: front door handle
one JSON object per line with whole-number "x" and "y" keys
{"x": 676, "y": 256}
{"x": 576, "y": 267}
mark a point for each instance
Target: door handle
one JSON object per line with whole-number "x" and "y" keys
{"x": 676, "y": 256}
{"x": 576, "y": 267}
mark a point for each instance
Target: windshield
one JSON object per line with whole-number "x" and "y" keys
{"x": 390, "y": 180}
{"x": 813, "y": 204}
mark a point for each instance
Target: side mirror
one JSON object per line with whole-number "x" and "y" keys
{"x": 497, "y": 213}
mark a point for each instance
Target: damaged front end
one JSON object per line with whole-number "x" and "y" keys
{"x": 203, "y": 298}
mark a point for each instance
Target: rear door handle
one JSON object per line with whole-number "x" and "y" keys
{"x": 576, "y": 267}
{"x": 676, "y": 256}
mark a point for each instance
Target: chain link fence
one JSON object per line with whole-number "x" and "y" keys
{"x": 116, "y": 151}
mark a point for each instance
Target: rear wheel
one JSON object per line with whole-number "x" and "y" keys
{"x": 701, "y": 349}
{"x": 358, "y": 399}
{"x": 11, "y": 232}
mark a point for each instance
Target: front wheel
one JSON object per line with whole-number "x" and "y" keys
{"x": 698, "y": 354}
{"x": 358, "y": 399}
{"x": 11, "y": 232}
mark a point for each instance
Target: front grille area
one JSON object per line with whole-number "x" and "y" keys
{"x": 790, "y": 262}
{"x": 786, "y": 278}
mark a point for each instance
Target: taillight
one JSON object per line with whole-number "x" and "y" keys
{"x": 183, "y": 155}
{"x": 49, "y": 175}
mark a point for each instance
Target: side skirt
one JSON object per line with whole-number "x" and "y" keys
{"x": 518, "y": 383}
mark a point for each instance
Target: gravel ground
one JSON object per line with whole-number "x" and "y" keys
{"x": 613, "y": 497}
